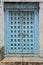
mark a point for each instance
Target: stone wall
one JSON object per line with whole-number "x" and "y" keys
{"x": 1, "y": 24}
{"x": 23, "y": 0}
{"x": 40, "y": 22}
{"x": 2, "y": 30}
{"x": 1, "y": 53}
{"x": 41, "y": 29}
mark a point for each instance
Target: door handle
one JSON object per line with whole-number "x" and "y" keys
{"x": 23, "y": 35}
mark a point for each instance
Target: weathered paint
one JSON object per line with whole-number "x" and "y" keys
{"x": 23, "y": 20}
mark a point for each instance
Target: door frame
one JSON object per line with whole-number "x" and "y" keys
{"x": 6, "y": 30}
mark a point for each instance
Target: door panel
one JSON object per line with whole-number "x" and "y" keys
{"x": 28, "y": 28}
{"x": 22, "y": 33}
{"x": 14, "y": 32}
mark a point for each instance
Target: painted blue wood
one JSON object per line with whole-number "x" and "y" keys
{"x": 36, "y": 33}
{"x": 6, "y": 32}
{"x": 21, "y": 5}
{"x": 21, "y": 30}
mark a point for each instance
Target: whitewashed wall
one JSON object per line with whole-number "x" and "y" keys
{"x": 41, "y": 28}
{"x": 25, "y": 0}
{"x": 40, "y": 22}
{"x": 1, "y": 24}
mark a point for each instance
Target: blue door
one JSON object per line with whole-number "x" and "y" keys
{"x": 21, "y": 32}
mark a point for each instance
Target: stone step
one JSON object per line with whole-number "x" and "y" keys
{"x": 21, "y": 63}
{"x": 23, "y": 59}
{"x": 19, "y": 60}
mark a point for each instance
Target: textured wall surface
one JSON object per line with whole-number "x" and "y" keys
{"x": 41, "y": 29}
{"x": 26, "y": 0}
{"x": 1, "y": 24}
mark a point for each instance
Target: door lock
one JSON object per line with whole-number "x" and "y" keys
{"x": 23, "y": 35}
